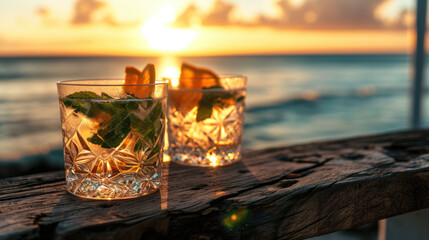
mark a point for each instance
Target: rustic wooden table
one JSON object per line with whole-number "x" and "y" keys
{"x": 290, "y": 192}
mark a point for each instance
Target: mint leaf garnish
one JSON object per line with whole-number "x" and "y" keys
{"x": 154, "y": 155}
{"x": 95, "y": 139}
{"x": 205, "y": 109}
{"x": 156, "y": 112}
{"x": 122, "y": 117}
{"x": 241, "y": 98}
{"x": 150, "y": 127}
{"x": 79, "y": 106}
{"x": 113, "y": 132}
{"x": 142, "y": 126}
{"x": 210, "y": 100}
{"x": 105, "y": 96}
{"x": 132, "y": 106}
{"x": 84, "y": 95}
{"x": 139, "y": 146}
{"x": 90, "y": 109}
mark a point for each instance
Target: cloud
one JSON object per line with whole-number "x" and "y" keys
{"x": 188, "y": 17}
{"x": 219, "y": 15}
{"x": 406, "y": 19}
{"x": 310, "y": 14}
{"x": 43, "y": 11}
{"x": 46, "y": 16}
{"x": 327, "y": 14}
{"x": 94, "y": 11}
{"x": 109, "y": 19}
{"x": 84, "y": 11}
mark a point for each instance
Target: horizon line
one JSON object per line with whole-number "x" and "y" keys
{"x": 195, "y": 56}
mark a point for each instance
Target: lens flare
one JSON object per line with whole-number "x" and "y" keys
{"x": 236, "y": 218}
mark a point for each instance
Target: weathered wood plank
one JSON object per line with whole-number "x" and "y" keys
{"x": 291, "y": 192}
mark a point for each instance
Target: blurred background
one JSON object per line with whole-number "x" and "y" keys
{"x": 316, "y": 69}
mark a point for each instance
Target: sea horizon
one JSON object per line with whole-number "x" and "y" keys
{"x": 196, "y": 56}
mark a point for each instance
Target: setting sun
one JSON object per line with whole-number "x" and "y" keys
{"x": 163, "y": 37}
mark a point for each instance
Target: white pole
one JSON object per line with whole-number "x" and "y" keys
{"x": 419, "y": 65}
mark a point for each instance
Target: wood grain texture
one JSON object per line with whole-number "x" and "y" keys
{"x": 291, "y": 192}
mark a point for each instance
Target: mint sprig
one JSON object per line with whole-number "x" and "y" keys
{"x": 123, "y": 117}
{"x": 211, "y": 99}
{"x": 113, "y": 131}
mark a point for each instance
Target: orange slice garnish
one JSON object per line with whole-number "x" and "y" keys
{"x": 192, "y": 77}
{"x": 134, "y": 76}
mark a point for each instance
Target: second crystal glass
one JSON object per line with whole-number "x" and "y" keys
{"x": 205, "y": 125}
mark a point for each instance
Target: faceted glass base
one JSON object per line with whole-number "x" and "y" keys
{"x": 122, "y": 186}
{"x": 216, "y": 156}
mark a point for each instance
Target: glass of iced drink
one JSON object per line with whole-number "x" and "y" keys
{"x": 205, "y": 119}
{"x": 113, "y": 137}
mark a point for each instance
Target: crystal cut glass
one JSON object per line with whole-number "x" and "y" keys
{"x": 206, "y": 128}
{"x": 113, "y": 141}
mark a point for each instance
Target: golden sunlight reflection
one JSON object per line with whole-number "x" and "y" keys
{"x": 163, "y": 37}
{"x": 213, "y": 159}
{"x": 170, "y": 69}
{"x": 166, "y": 158}
{"x": 164, "y": 186}
{"x": 220, "y": 193}
{"x": 172, "y": 74}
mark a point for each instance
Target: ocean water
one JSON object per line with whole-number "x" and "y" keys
{"x": 290, "y": 99}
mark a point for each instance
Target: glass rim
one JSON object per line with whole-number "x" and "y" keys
{"x": 205, "y": 89}
{"x": 78, "y": 82}
{"x": 222, "y": 77}
{"x": 226, "y": 75}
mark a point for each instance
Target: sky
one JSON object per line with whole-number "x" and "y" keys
{"x": 204, "y": 27}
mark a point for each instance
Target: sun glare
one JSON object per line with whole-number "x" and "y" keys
{"x": 161, "y": 36}
{"x": 172, "y": 74}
